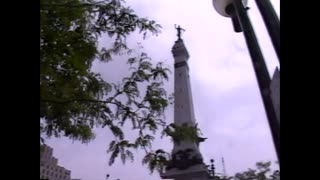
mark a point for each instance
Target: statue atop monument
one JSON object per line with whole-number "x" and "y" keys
{"x": 179, "y": 29}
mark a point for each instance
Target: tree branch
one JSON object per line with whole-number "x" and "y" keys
{"x": 71, "y": 101}
{"x": 68, "y": 5}
{"x": 109, "y": 100}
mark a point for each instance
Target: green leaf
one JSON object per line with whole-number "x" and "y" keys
{"x": 117, "y": 132}
{"x": 113, "y": 156}
{"x": 130, "y": 155}
{"x": 123, "y": 158}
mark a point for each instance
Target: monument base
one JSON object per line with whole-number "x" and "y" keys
{"x": 196, "y": 172}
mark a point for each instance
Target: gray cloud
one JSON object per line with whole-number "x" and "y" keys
{"x": 226, "y": 98}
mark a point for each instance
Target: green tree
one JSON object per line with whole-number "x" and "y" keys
{"x": 73, "y": 98}
{"x": 157, "y": 160}
{"x": 263, "y": 171}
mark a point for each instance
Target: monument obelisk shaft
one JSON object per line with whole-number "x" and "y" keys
{"x": 187, "y": 163}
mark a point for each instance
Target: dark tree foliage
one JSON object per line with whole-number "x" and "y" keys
{"x": 74, "y": 99}
{"x": 262, "y": 171}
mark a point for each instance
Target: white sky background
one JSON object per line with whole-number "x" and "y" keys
{"x": 227, "y": 103}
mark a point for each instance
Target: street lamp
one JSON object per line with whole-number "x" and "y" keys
{"x": 268, "y": 14}
{"x": 272, "y": 23}
{"x": 237, "y": 10}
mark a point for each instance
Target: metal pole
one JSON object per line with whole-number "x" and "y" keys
{"x": 261, "y": 71}
{"x": 272, "y": 23}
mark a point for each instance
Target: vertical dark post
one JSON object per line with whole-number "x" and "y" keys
{"x": 260, "y": 69}
{"x": 212, "y": 170}
{"x": 272, "y": 23}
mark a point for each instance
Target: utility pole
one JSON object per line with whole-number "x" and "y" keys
{"x": 224, "y": 168}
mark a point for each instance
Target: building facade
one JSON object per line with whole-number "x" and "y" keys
{"x": 275, "y": 92}
{"x": 49, "y": 168}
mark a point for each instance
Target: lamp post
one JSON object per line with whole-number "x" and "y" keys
{"x": 272, "y": 23}
{"x": 237, "y": 11}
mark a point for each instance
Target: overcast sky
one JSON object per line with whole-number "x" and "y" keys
{"x": 227, "y": 103}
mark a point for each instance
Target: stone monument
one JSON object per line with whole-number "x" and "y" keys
{"x": 186, "y": 162}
